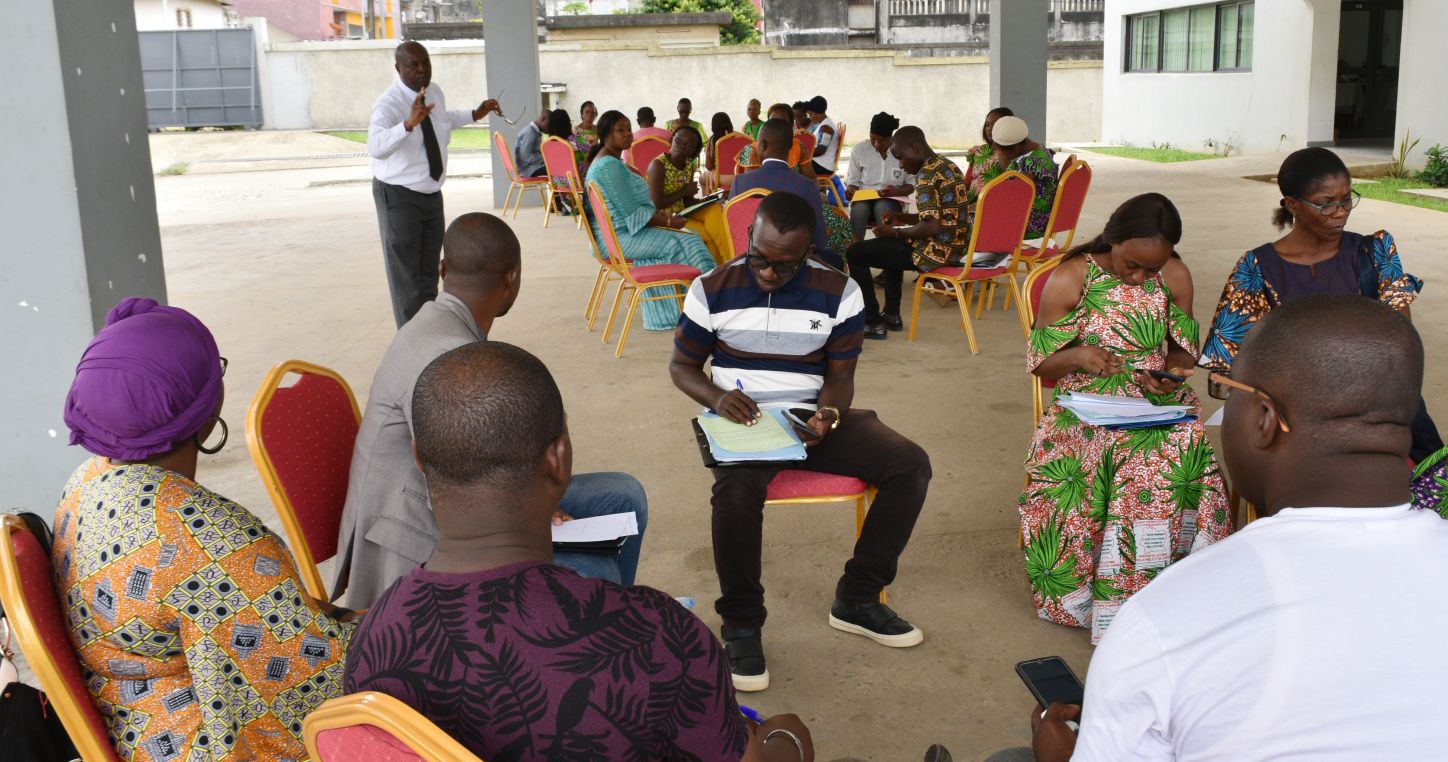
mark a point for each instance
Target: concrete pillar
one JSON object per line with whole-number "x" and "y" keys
{"x": 510, "y": 39}
{"x": 1018, "y": 60}
{"x": 78, "y": 225}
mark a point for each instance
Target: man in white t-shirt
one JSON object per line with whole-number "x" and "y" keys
{"x": 1314, "y": 632}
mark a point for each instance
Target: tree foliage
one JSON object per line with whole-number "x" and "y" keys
{"x": 741, "y": 31}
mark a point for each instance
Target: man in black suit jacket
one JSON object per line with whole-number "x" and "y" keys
{"x": 775, "y": 175}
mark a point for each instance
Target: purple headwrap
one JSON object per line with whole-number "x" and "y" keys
{"x": 149, "y": 379}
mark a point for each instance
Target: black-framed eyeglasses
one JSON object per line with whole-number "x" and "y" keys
{"x": 1335, "y": 206}
{"x": 223, "y": 366}
{"x": 761, "y": 263}
{"x": 1220, "y": 385}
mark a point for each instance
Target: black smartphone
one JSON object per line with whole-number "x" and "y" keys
{"x": 800, "y": 418}
{"x": 1162, "y": 375}
{"x": 1051, "y": 680}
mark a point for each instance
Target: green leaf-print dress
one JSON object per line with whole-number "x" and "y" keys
{"x": 1105, "y": 511}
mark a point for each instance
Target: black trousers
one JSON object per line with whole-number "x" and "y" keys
{"x": 894, "y": 256}
{"x": 861, "y": 447}
{"x": 864, "y": 213}
{"x": 411, "y": 224}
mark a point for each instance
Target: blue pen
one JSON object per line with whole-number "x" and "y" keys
{"x": 753, "y": 716}
{"x": 740, "y": 386}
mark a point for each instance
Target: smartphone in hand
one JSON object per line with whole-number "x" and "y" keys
{"x": 1162, "y": 375}
{"x": 800, "y": 419}
{"x": 1050, "y": 680}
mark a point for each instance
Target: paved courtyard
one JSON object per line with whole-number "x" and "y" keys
{"x": 285, "y": 263}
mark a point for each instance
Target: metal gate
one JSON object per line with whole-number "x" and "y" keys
{"x": 200, "y": 78}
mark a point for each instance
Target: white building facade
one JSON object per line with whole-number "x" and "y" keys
{"x": 166, "y": 15}
{"x": 1275, "y": 75}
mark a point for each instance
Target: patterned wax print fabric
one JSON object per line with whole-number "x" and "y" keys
{"x": 627, "y": 196}
{"x": 837, "y": 223}
{"x": 586, "y": 135}
{"x": 532, "y": 662}
{"x": 984, "y": 164}
{"x": 676, "y": 178}
{"x": 748, "y": 160}
{"x": 940, "y": 194}
{"x": 1106, "y": 511}
{"x": 1430, "y": 484}
{"x": 1250, "y": 292}
{"x": 1040, "y": 166}
{"x": 752, "y": 129}
{"x": 195, "y": 636}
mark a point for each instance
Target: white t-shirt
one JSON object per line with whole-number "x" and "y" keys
{"x": 1313, "y": 634}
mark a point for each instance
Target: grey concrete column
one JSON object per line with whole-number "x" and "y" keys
{"x": 78, "y": 225}
{"x": 1018, "y": 60}
{"x": 510, "y": 39}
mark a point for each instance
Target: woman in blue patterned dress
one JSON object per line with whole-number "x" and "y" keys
{"x": 647, "y": 235}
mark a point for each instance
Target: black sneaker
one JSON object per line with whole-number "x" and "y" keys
{"x": 875, "y": 330}
{"x": 745, "y": 649}
{"x": 937, "y": 753}
{"x": 893, "y": 322}
{"x": 875, "y": 621}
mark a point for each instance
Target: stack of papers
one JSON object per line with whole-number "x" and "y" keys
{"x": 769, "y": 439}
{"x": 1122, "y": 412}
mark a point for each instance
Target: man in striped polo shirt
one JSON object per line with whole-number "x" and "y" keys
{"x": 785, "y": 330}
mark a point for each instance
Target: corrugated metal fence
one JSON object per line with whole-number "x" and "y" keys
{"x": 200, "y": 78}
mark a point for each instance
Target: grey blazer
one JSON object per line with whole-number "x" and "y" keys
{"x": 387, "y": 525}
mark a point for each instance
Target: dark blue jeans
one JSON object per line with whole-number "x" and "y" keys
{"x": 604, "y": 494}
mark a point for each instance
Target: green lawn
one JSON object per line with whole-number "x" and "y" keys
{"x": 1159, "y": 155}
{"x": 462, "y": 140}
{"x": 1389, "y": 189}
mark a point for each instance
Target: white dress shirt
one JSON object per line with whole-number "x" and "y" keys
{"x": 398, "y": 156}
{"x": 870, "y": 171}
{"x": 1312, "y": 634}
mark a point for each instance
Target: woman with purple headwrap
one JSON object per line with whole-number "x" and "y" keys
{"x": 187, "y": 613}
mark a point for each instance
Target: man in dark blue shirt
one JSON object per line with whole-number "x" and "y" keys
{"x": 775, "y": 175}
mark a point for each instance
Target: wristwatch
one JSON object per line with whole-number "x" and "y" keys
{"x": 835, "y": 424}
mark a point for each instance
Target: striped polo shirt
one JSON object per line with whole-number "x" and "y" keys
{"x": 772, "y": 345}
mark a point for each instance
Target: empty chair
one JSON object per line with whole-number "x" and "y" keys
{"x": 739, "y": 215}
{"x": 518, "y": 185}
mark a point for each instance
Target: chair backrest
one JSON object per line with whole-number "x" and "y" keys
{"x": 301, "y": 439}
{"x": 501, "y": 146}
{"x": 593, "y": 243}
{"x": 1035, "y": 287}
{"x": 32, "y": 606}
{"x": 727, "y": 150}
{"x": 1001, "y": 215}
{"x": 1066, "y": 209}
{"x": 378, "y": 728}
{"x": 561, "y": 163}
{"x": 643, "y": 151}
{"x": 739, "y": 215}
{"x": 607, "y": 232}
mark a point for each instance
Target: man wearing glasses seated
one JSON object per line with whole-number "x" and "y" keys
{"x": 784, "y": 330}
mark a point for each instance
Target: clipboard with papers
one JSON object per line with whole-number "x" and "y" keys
{"x": 707, "y": 201}
{"x": 722, "y": 442}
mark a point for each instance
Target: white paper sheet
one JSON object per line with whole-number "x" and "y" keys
{"x": 1216, "y": 419}
{"x": 598, "y": 528}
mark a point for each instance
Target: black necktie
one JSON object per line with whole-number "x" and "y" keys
{"x": 434, "y": 154}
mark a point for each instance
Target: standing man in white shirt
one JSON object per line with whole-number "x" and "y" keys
{"x": 409, "y": 164}
{"x": 874, "y": 168}
{"x": 1311, "y": 633}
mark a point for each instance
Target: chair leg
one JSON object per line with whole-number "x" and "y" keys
{"x": 1015, "y": 291}
{"x": 548, "y": 206}
{"x": 915, "y": 306}
{"x": 984, "y": 287}
{"x": 964, "y": 299}
{"x": 508, "y": 198}
{"x": 617, "y": 297}
{"x": 542, "y": 197}
{"x": 598, "y": 280}
{"x": 633, "y": 305}
{"x": 578, "y": 207}
{"x": 602, "y": 293}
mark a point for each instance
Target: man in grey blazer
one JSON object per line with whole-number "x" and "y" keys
{"x": 387, "y": 525}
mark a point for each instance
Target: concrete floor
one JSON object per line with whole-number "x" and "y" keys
{"x": 281, "y": 268}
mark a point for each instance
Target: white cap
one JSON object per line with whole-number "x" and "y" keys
{"x": 1009, "y": 130}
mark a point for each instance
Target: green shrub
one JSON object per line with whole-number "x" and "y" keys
{"x": 1436, "y": 172}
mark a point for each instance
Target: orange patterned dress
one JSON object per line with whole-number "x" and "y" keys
{"x": 194, "y": 634}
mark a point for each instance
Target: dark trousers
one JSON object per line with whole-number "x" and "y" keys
{"x": 1426, "y": 440}
{"x": 411, "y": 224}
{"x": 863, "y": 214}
{"x": 861, "y": 447}
{"x": 893, "y": 255}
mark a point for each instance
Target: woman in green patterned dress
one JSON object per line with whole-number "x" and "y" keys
{"x": 1104, "y": 511}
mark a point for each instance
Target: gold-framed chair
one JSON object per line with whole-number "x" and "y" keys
{"x": 300, "y": 438}
{"x": 738, "y": 215}
{"x": 796, "y": 486}
{"x": 516, "y": 184}
{"x": 376, "y": 726}
{"x": 561, "y": 163}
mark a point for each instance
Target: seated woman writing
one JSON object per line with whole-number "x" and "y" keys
{"x": 1106, "y": 510}
{"x": 647, "y": 235}
{"x": 672, "y": 188}
{"x": 1317, "y": 256}
{"x": 185, "y": 610}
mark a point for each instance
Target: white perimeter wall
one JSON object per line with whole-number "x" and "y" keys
{"x": 1283, "y": 103}
{"x": 332, "y": 85}
{"x": 1422, "y": 79}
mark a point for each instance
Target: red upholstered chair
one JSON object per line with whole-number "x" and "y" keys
{"x": 726, "y": 156}
{"x": 561, "y": 163}
{"x": 1065, "y": 214}
{"x": 739, "y": 215}
{"x": 635, "y": 280}
{"x": 1035, "y": 287}
{"x": 794, "y": 486}
{"x": 519, "y": 185}
{"x": 301, "y": 438}
{"x": 642, "y": 152}
{"x": 32, "y": 606}
{"x": 1002, "y": 212}
{"x": 376, "y": 727}
{"x": 606, "y": 274}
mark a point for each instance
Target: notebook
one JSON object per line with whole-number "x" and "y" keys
{"x": 723, "y": 442}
